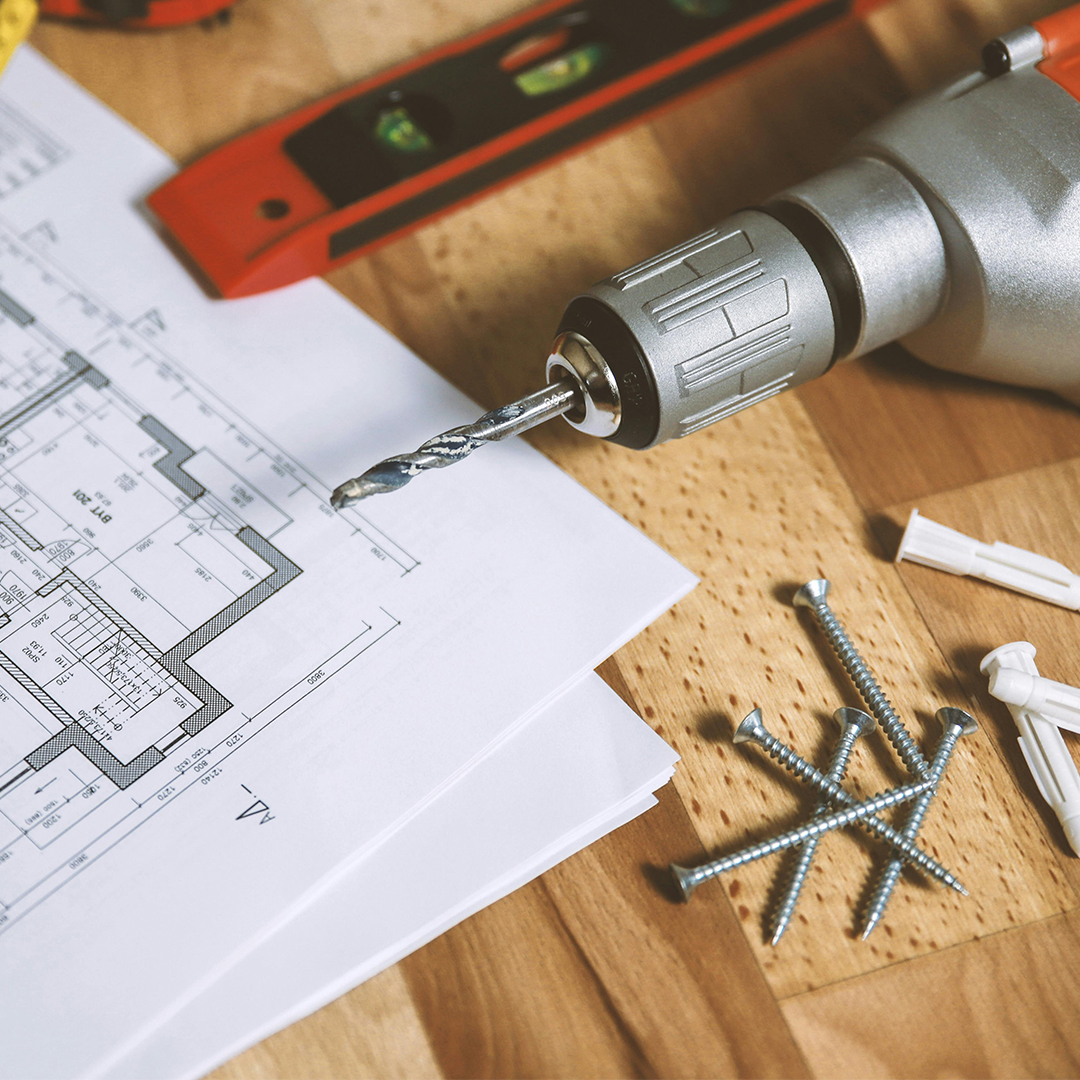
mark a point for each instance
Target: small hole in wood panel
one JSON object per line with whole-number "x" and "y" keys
{"x": 273, "y": 209}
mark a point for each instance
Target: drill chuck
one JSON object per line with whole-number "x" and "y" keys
{"x": 951, "y": 225}
{"x": 711, "y": 326}
{"x": 768, "y": 299}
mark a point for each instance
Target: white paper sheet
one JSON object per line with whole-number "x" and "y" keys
{"x": 193, "y": 634}
{"x": 579, "y": 769}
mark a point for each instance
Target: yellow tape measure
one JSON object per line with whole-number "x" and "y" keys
{"x": 17, "y": 18}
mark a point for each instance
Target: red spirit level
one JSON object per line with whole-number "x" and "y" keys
{"x": 314, "y": 189}
{"x": 138, "y": 14}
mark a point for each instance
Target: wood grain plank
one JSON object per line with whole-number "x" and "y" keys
{"x": 755, "y": 506}
{"x": 781, "y": 121}
{"x": 193, "y": 87}
{"x": 678, "y": 985}
{"x": 507, "y": 993}
{"x": 369, "y": 36}
{"x": 373, "y": 1031}
{"x": 1007, "y": 1006}
{"x": 689, "y": 992}
{"x": 900, "y": 430}
{"x": 398, "y": 287}
{"x": 202, "y": 84}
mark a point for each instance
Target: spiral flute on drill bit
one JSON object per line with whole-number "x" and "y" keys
{"x": 458, "y": 443}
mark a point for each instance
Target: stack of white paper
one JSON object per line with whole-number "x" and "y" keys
{"x": 580, "y": 769}
{"x": 245, "y": 739}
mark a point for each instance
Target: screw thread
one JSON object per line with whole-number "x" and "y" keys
{"x": 879, "y": 705}
{"x": 837, "y": 819}
{"x": 886, "y": 885}
{"x": 839, "y": 760}
{"x": 883, "y": 891}
{"x": 913, "y": 853}
{"x": 800, "y": 868}
{"x": 802, "y": 768}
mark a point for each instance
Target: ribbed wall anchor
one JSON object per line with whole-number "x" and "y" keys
{"x": 812, "y": 595}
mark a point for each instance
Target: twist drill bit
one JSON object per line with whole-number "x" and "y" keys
{"x": 451, "y": 446}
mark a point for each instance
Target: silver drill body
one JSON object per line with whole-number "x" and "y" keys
{"x": 854, "y": 723}
{"x": 950, "y": 225}
{"x": 954, "y": 724}
{"x": 813, "y": 596}
{"x": 689, "y": 878}
{"x": 752, "y": 729}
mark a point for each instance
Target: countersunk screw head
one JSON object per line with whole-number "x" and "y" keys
{"x": 686, "y": 878}
{"x": 855, "y": 719}
{"x": 950, "y": 716}
{"x": 751, "y": 729}
{"x": 812, "y": 593}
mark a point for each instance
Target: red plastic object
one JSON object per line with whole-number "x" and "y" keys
{"x": 138, "y": 14}
{"x": 277, "y": 205}
{"x": 1061, "y": 32}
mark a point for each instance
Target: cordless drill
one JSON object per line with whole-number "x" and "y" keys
{"x": 953, "y": 226}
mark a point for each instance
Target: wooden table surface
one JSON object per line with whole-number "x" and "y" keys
{"x": 594, "y": 969}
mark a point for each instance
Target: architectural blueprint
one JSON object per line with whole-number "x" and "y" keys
{"x": 125, "y": 548}
{"x": 217, "y": 695}
{"x": 26, "y": 150}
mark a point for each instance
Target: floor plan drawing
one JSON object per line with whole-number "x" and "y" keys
{"x": 140, "y": 520}
{"x": 26, "y": 148}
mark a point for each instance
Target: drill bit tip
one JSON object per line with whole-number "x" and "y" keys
{"x": 451, "y": 446}
{"x": 360, "y": 487}
{"x": 395, "y": 472}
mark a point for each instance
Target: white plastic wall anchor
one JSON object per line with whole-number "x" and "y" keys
{"x": 1044, "y": 750}
{"x": 925, "y": 541}
{"x": 1056, "y": 701}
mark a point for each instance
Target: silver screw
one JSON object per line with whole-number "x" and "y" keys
{"x": 689, "y": 878}
{"x": 812, "y": 595}
{"x": 954, "y": 724}
{"x": 853, "y": 724}
{"x": 752, "y": 729}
